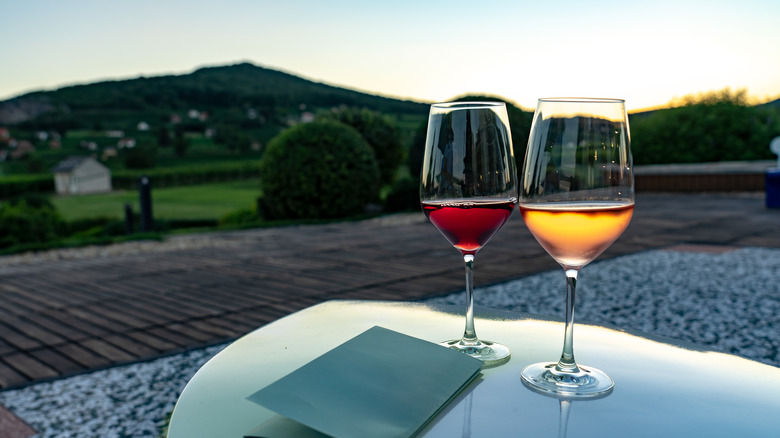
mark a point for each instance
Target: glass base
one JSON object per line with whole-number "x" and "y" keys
{"x": 490, "y": 353}
{"x": 588, "y": 383}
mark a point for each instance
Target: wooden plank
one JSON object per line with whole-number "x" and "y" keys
{"x": 29, "y": 366}
{"x": 240, "y": 323}
{"x": 5, "y": 348}
{"x": 87, "y": 358}
{"x": 17, "y": 340}
{"x": 107, "y": 350}
{"x": 132, "y": 346}
{"x": 188, "y": 330}
{"x": 216, "y": 331}
{"x": 9, "y": 376}
{"x": 98, "y": 318}
{"x": 173, "y": 335}
{"x": 86, "y": 327}
{"x": 63, "y": 330}
{"x": 155, "y": 342}
{"x": 63, "y": 364}
{"x": 138, "y": 315}
{"x": 109, "y": 312}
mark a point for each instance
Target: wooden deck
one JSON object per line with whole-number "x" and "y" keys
{"x": 68, "y": 317}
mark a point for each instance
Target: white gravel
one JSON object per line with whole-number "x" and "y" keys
{"x": 125, "y": 401}
{"x": 727, "y": 302}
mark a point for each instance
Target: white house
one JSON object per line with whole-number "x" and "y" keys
{"x": 127, "y": 142}
{"x": 78, "y": 175}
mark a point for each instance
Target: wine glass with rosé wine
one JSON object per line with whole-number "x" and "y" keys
{"x": 468, "y": 190}
{"x": 576, "y": 198}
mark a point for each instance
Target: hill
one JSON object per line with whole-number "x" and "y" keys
{"x": 219, "y": 91}
{"x": 771, "y": 104}
{"x": 222, "y": 113}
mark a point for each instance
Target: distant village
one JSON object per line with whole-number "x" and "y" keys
{"x": 83, "y": 172}
{"x": 14, "y": 149}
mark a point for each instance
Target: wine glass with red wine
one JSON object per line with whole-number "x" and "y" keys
{"x": 576, "y": 198}
{"x": 468, "y": 191}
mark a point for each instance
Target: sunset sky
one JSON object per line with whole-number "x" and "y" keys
{"x": 645, "y": 52}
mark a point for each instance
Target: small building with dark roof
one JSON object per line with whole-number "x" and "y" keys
{"x": 79, "y": 175}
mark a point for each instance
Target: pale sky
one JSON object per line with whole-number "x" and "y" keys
{"x": 647, "y": 52}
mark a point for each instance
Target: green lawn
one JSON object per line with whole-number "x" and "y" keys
{"x": 210, "y": 201}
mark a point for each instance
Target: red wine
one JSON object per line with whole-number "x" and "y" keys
{"x": 468, "y": 225}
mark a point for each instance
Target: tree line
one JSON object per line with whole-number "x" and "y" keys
{"x": 714, "y": 126}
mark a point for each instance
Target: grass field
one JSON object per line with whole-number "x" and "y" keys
{"x": 210, "y": 201}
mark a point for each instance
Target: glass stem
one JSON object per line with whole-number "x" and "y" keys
{"x": 563, "y": 420}
{"x": 469, "y": 334}
{"x": 566, "y": 363}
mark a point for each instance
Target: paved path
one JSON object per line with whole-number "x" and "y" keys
{"x": 68, "y": 316}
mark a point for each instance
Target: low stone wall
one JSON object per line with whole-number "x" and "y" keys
{"x": 747, "y": 176}
{"x": 724, "y": 182}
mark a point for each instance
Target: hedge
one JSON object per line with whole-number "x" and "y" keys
{"x": 187, "y": 175}
{"x": 16, "y": 185}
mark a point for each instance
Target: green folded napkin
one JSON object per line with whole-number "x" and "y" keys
{"x": 378, "y": 384}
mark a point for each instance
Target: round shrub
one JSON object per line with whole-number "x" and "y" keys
{"x": 318, "y": 170}
{"x": 380, "y": 132}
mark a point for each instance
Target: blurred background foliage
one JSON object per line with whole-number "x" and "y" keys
{"x": 709, "y": 127}
{"x": 244, "y": 123}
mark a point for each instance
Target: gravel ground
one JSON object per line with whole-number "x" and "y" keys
{"x": 125, "y": 401}
{"x": 727, "y": 302}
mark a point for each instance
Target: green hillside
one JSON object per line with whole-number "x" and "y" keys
{"x": 213, "y": 114}
{"x": 240, "y": 86}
